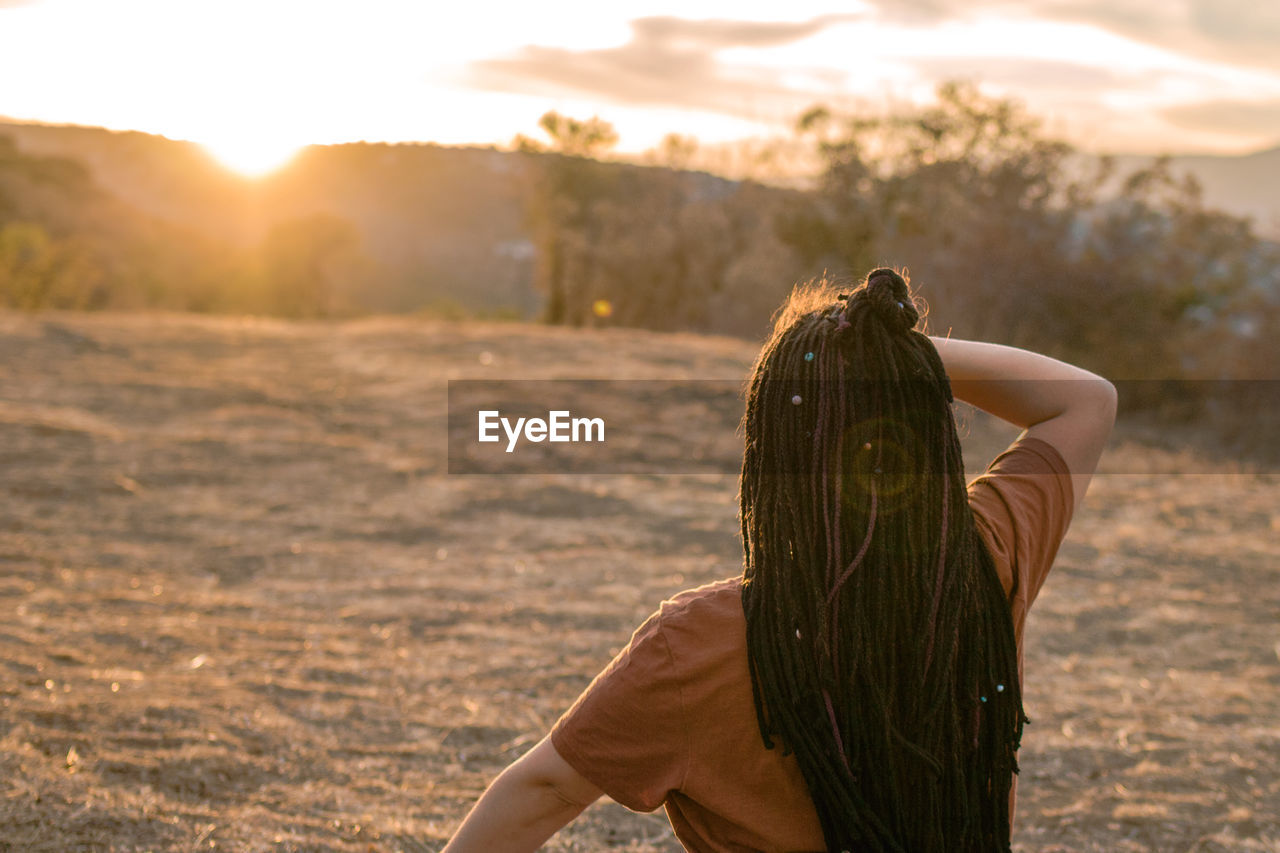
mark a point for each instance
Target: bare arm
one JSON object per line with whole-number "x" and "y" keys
{"x": 1066, "y": 406}
{"x": 525, "y": 805}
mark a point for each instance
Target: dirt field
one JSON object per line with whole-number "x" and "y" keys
{"x": 244, "y": 607}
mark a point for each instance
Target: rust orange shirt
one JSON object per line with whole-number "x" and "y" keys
{"x": 671, "y": 720}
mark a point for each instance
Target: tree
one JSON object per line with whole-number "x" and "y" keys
{"x": 675, "y": 151}
{"x": 569, "y": 182}
{"x": 570, "y": 136}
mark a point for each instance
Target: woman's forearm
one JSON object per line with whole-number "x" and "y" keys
{"x": 525, "y": 805}
{"x": 1016, "y": 385}
{"x": 513, "y": 816}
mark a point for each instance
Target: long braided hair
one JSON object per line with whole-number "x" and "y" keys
{"x": 879, "y": 637}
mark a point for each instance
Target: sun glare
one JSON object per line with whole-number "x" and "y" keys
{"x": 251, "y": 156}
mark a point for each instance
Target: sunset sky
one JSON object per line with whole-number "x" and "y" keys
{"x": 255, "y": 79}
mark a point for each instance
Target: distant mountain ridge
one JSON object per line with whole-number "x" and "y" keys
{"x": 1243, "y": 184}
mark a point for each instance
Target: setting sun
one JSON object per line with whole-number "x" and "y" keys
{"x": 250, "y": 155}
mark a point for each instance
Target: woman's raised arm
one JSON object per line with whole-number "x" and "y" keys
{"x": 1064, "y": 405}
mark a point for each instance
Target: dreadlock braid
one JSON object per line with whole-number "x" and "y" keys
{"x": 879, "y": 638}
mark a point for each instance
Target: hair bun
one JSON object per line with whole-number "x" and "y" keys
{"x": 890, "y": 298}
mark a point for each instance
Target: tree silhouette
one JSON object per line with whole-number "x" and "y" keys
{"x": 570, "y": 136}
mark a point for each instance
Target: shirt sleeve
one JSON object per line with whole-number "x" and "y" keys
{"x": 1023, "y": 504}
{"x": 626, "y": 733}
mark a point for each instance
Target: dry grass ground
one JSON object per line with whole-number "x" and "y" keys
{"x": 244, "y": 607}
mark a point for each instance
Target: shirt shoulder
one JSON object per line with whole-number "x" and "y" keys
{"x": 695, "y": 613}
{"x": 1022, "y": 505}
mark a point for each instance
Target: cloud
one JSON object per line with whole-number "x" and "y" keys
{"x": 1238, "y": 21}
{"x": 1038, "y": 74}
{"x": 669, "y": 62}
{"x": 1254, "y": 118}
{"x": 715, "y": 34}
{"x": 923, "y": 12}
{"x": 673, "y": 62}
{"x": 1237, "y": 32}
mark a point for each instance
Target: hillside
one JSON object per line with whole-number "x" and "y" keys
{"x": 436, "y": 219}
{"x": 247, "y": 606}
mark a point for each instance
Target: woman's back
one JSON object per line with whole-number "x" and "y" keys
{"x": 672, "y": 721}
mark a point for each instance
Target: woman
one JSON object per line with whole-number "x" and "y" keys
{"x": 859, "y": 687}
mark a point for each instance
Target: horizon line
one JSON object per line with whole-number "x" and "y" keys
{"x": 1274, "y": 145}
